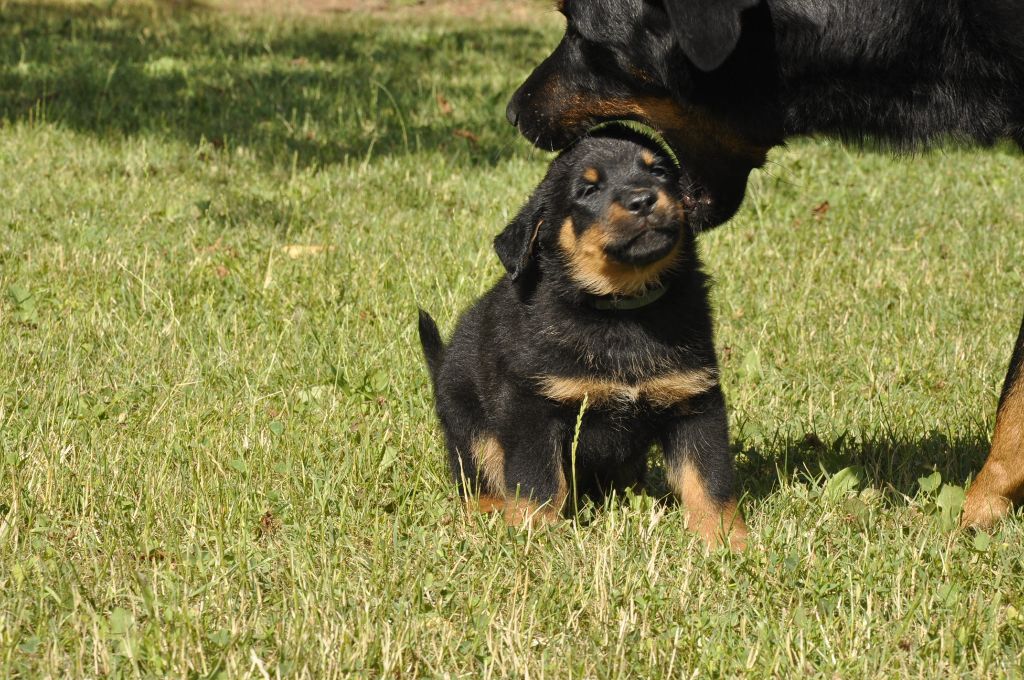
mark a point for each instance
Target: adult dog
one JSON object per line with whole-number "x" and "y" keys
{"x": 726, "y": 80}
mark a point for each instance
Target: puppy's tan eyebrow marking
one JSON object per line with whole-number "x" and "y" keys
{"x": 647, "y": 157}
{"x": 591, "y": 175}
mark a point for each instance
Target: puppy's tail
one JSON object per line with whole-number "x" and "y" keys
{"x": 433, "y": 346}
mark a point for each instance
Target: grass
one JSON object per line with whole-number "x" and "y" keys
{"x": 217, "y": 449}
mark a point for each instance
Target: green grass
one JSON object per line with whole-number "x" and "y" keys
{"x": 218, "y": 459}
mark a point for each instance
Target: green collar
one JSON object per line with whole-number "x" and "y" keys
{"x": 640, "y": 129}
{"x": 617, "y": 302}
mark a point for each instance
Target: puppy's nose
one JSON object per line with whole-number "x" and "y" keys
{"x": 641, "y": 202}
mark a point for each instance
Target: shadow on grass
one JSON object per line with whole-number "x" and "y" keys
{"x": 310, "y": 91}
{"x": 891, "y": 464}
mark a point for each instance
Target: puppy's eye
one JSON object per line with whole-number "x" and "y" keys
{"x": 589, "y": 182}
{"x": 658, "y": 170}
{"x": 585, "y": 189}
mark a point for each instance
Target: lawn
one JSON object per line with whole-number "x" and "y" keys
{"x": 218, "y": 455}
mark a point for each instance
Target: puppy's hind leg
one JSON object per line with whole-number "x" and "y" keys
{"x": 700, "y": 470}
{"x": 476, "y": 457}
{"x": 462, "y": 423}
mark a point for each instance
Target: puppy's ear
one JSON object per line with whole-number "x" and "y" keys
{"x": 515, "y": 245}
{"x": 707, "y": 30}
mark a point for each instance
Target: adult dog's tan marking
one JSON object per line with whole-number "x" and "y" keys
{"x": 663, "y": 391}
{"x": 516, "y": 512}
{"x": 487, "y": 503}
{"x": 686, "y": 127}
{"x": 1001, "y": 480}
{"x": 717, "y": 523}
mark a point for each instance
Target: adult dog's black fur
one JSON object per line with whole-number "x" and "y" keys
{"x": 604, "y": 300}
{"x": 726, "y": 80}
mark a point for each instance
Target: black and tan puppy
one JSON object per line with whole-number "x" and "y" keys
{"x": 604, "y": 301}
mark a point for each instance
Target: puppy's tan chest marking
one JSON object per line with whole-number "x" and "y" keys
{"x": 661, "y": 391}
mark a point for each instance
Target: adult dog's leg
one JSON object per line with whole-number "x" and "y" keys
{"x": 1001, "y": 481}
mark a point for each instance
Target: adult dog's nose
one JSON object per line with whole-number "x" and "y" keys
{"x": 512, "y": 111}
{"x": 641, "y": 202}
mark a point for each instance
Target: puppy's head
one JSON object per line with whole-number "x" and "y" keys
{"x": 607, "y": 217}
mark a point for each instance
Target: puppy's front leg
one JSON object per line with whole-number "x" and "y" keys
{"x": 700, "y": 469}
{"x": 534, "y": 486}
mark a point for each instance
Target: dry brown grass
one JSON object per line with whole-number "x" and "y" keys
{"x": 519, "y": 11}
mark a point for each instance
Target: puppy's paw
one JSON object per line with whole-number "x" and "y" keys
{"x": 517, "y": 513}
{"x": 719, "y": 529}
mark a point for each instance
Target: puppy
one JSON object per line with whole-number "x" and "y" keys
{"x": 602, "y": 320}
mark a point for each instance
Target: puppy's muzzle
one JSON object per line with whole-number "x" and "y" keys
{"x": 645, "y": 227}
{"x": 644, "y": 248}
